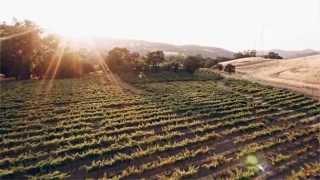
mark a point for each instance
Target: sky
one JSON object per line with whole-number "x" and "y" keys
{"x": 232, "y": 24}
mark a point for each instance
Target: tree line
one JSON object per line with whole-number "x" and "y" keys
{"x": 120, "y": 60}
{"x": 25, "y": 52}
{"x": 253, "y": 53}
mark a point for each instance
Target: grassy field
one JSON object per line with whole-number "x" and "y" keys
{"x": 172, "y": 128}
{"x": 299, "y": 74}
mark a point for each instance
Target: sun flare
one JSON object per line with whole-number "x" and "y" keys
{"x": 72, "y": 31}
{"x": 209, "y": 23}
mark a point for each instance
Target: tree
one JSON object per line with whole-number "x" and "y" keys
{"x": 230, "y": 68}
{"x": 209, "y": 62}
{"x": 222, "y": 59}
{"x": 174, "y": 62}
{"x": 18, "y": 44}
{"x": 122, "y": 60}
{"x": 133, "y": 62}
{"x": 252, "y": 53}
{"x": 273, "y": 55}
{"x": 171, "y": 66}
{"x": 116, "y": 59}
{"x": 238, "y": 55}
{"x": 70, "y": 65}
{"x": 218, "y": 67}
{"x": 245, "y": 54}
{"x": 45, "y": 56}
{"x": 192, "y": 63}
{"x": 176, "y": 58}
{"x": 154, "y": 58}
{"x": 25, "y": 53}
{"x": 87, "y": 67}
{"x": 174, "y": 66}
{"x": 54, "y": 61}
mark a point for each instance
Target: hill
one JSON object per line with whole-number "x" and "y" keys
{"x": 297, "y": 73}
{"x": 145, "y": 46}
{"x": 292, "y": 54}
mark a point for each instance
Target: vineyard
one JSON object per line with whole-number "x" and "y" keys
{"x": 178, "y": 129}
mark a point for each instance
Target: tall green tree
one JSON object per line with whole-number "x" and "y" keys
{"x": 18, "y": 43}
{"x": 116, "y": 59}
{"x": 122, "y": 60}
{"x": 192, "y": 63}
{"x": 154, "y": 58}
{"x": 245, "y": 54}
{"x": 273, "y": 55}
{"x": 45, "y": 55}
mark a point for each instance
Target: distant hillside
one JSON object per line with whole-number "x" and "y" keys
{"x": 300, "y": 74}
{"x": 292, "y": 54}
{"x": 144, "y": 46}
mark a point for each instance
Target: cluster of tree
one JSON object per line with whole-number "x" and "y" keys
{"x": 253, "y": 53}
{"x": 122, "y": 60}
{"x": 211, "y": 62}
{"x": 192, "y": 63}
{"x": 272, "y": 55}
{"x": 245, "y": 54}
{"x": 229, "y": 68}
{"x": 26, "y": 53}
{"x": 17, "y": 44}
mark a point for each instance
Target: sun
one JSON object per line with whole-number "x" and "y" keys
{"x": 71, "y": 31}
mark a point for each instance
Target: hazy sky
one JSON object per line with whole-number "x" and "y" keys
{"x": 231, "y": 24}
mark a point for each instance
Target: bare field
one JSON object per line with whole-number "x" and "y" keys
{"x": 299, "y": 74}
